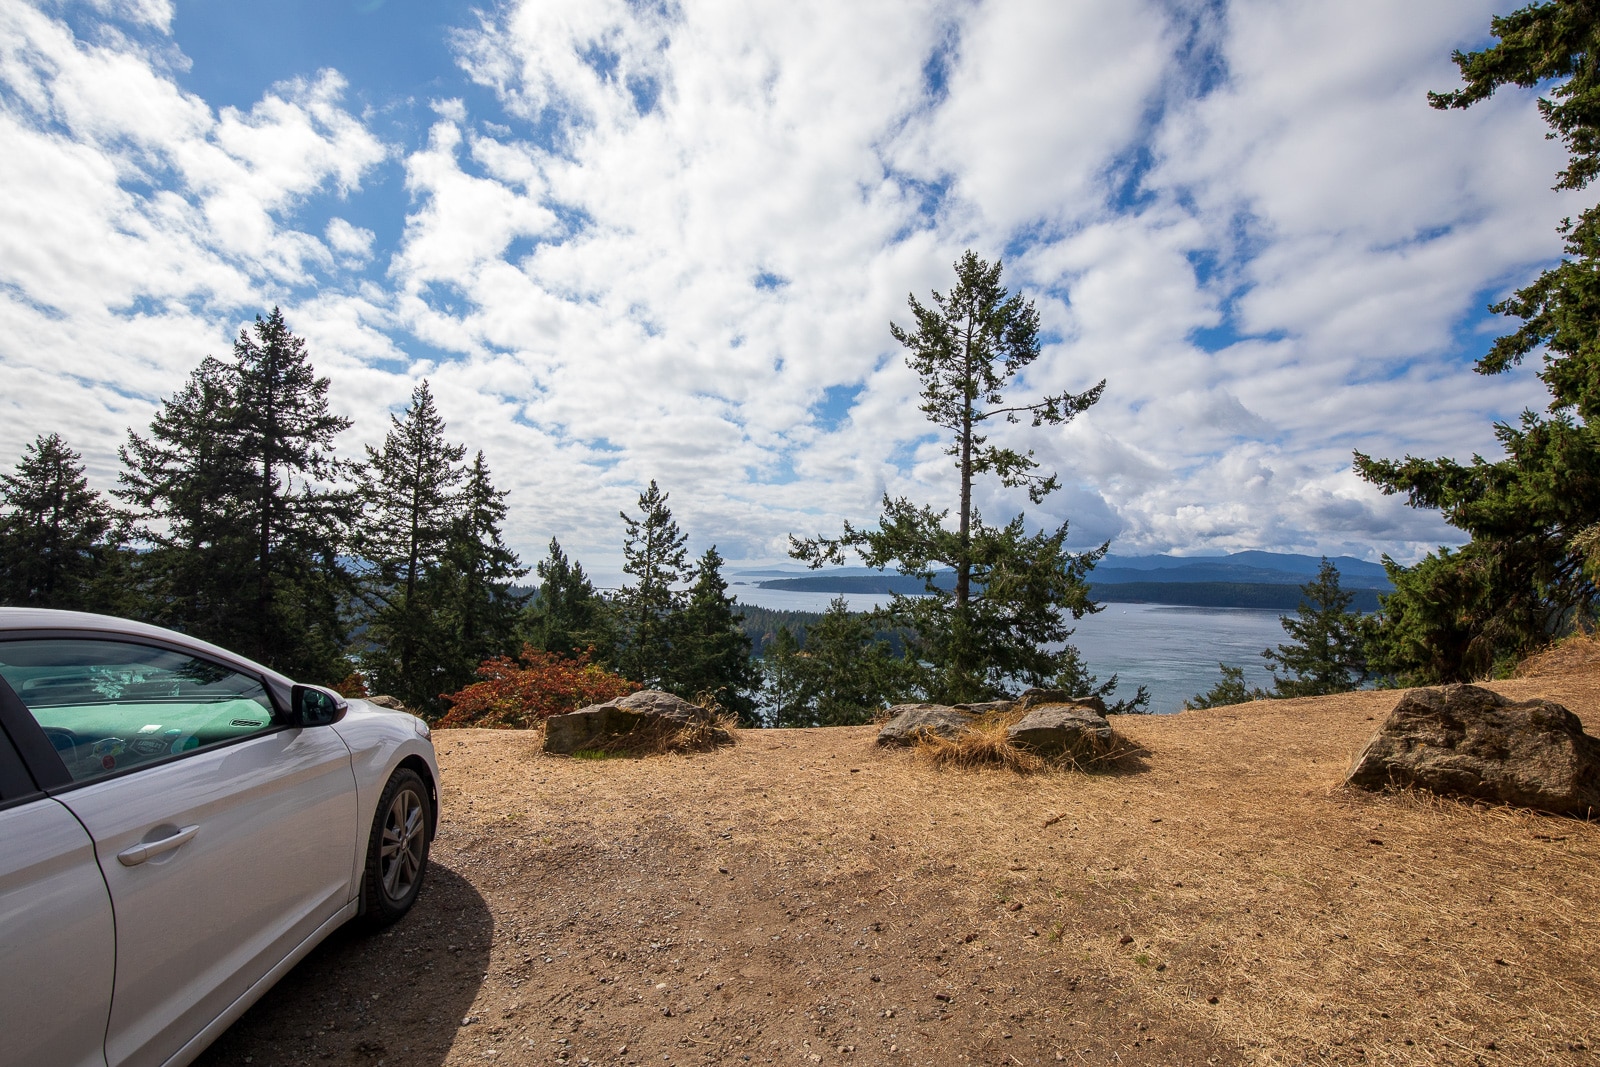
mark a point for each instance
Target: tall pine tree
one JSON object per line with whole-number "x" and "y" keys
{"x": 710, "y": 652}
{"x": 410, "y": 497}
{"x": 1004, "y": 624}
{"x": 477, "y": 608}
{"x": 568, "y": 615}
{"x": 236, "y": 487}
{"x": 1532, "y": 569}
{"x": 53, "y": 529}
{"x": 286, "y": 434}
{"x": 183, "y": 485}
{"x": 653, "y": 553}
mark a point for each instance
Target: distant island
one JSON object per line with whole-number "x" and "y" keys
{"x": 1269, "y": 580}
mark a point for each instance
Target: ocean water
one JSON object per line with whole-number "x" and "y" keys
{"x": 1172, "y": 651}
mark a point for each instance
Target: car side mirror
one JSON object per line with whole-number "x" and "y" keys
{"x": 316, "y": 707}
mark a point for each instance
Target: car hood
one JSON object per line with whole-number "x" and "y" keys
{"x": 365, "y": 714}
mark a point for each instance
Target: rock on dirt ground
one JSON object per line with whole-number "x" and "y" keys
{"x": 597, "y": 724}
{"x": 907, "y": 722}
{"x": 806, "y": 897}
{"x": 1470, "y": 741}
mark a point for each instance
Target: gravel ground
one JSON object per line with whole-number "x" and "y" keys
{"x": 804, "y": 898}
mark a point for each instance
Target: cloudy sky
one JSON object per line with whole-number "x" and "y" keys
{"x": 628, "y": 240}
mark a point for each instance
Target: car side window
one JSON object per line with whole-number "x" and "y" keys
{"x": 107, "y": 706}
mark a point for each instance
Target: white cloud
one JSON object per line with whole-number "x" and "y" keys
{"x": 139, "y": 225}
{"x": 352, "y": 242}
{"x": 684, "y": 224}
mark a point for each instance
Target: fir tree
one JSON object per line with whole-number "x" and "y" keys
{"x": 849, "y": 673}
{"x": 784, "y": 693}
{"x": 286, "y": 433}
{"x": 568, "y": 616}
{"x": 410, "y": 493}
{"x": 234, "y": 488}
{"x": 53, "y": 529}
{"x": 653, "y": 553}
{"x": 474, "y": 606}
{"x": 411, "y": 508}
{"x": 1003, "y": 625}
{"x": 710, "y": 652}
{"x": 1326, "y": 654}
{"x": 1531, "y": 568}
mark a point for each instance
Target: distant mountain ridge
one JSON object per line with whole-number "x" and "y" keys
{"x": 1243, "y": 579}
{"x": 1270, "y": 568}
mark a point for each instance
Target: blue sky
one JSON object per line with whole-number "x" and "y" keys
{"x": 627, "y": 241}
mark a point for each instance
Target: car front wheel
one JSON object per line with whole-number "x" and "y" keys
{"x": 397, "y": 852}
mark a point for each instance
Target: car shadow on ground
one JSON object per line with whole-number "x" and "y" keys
{"x": 398, "y": 996}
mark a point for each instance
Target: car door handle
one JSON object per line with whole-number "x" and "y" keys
{"x": 136, "y": 855}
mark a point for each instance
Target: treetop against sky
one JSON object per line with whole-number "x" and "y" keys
{"x": 628, "y": 241}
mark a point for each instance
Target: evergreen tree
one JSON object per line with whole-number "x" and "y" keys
{"x": 995, "y": 629}
{"x": 653, "y": 553}
{"x": 568, "y": 616}
{"x": 1444, "y": 621}
{"x": 1230, "y": 690}
{"x": 233, "y": 487}
{"x": 286, "y": 433}
{"x": 1326, "y": 654}
{"x": 183, "y": 483}
{"x": 1529, "y": 572}
{"x": 412, "y": 510}
{"x": 53, "y": 529}
{"x": 470, "y": 594}
{"x": 839, "y": 672}
{"x": 784, "y": 693}
{"x": 410, "y": 493}
{"x": 711, "y": 654}
{"x": 849, "y": 673}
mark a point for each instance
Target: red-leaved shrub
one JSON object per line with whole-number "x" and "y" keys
{"x": 520, "y": 693}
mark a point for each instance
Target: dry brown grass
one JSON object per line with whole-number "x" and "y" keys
{"x": 985, "y": 745}
{"x": 1330, "y": 925}
{"x": 1575, "y": 654}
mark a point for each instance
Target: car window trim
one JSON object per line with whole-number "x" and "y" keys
{"x": 44, "y": 763}
{"x": 17, "y": 783}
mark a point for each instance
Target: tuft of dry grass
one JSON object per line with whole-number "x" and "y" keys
{"x": 985, "y": 744}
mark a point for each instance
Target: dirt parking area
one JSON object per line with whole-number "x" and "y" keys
{"x": 804, "y": 898}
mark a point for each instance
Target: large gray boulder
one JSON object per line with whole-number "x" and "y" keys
{"x": 1076, "y": 731}
{"x": 987, "y": 707}
{"x": 1467, "y": 741}
{"x": 907, "y": 722}
{"x": 593, "y": 726}
{"x": 1033, "y": 698}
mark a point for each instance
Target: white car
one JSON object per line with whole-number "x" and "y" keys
{"x": 179, "y": 826}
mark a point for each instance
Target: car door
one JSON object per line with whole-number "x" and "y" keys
{"x": 225, "y": 837}
{"x": 57, "y": 943}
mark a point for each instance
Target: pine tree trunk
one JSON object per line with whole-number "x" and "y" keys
{"x": 964, "y": 549}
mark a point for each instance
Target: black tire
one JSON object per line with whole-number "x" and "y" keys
{"x": 397, "y": 851}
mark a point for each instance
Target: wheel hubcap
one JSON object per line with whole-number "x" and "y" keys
{"x": 400, "y": 856}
